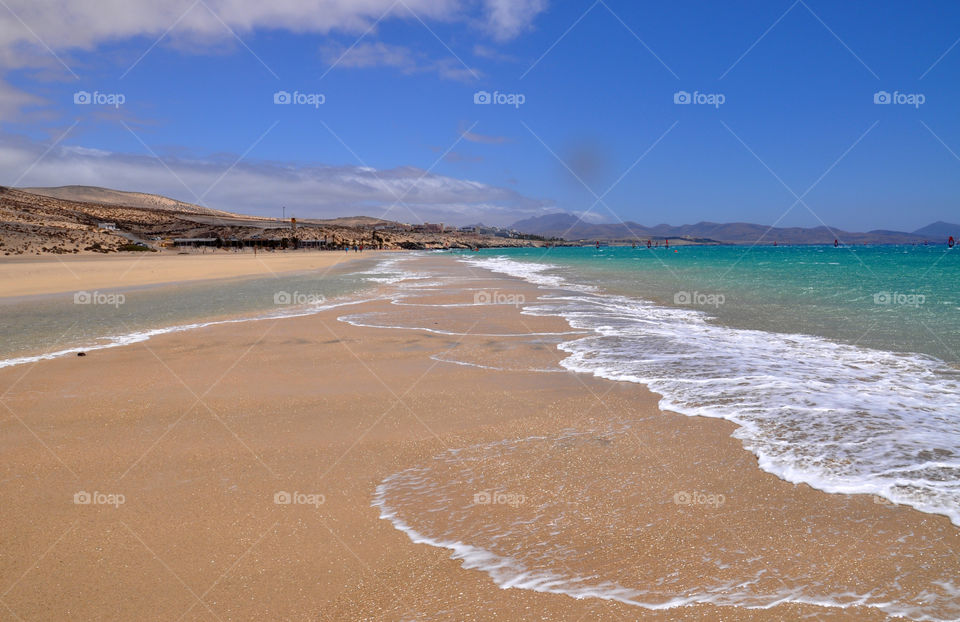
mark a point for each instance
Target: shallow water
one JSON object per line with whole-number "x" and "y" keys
{"x": 813, "y": 406}
{"x": 35, "y": 327}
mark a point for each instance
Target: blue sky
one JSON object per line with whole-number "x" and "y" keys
{"x": 788, "y": 92}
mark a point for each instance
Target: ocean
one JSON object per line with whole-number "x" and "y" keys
{"x": 838, "y": 365}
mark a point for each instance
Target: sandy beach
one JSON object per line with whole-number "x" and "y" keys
{"x": 193, "y": 442}
{"x": 47, "y": 275}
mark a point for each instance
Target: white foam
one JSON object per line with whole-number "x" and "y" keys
{"x": 537, "y": 273}
{"x": 533, "y": 564}
{"x": 358, "y": 320}
{"x": 452, "y": 361}
{"x": 838, "y": 417}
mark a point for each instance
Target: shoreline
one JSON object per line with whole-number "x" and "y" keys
{"x": 56, "y": 274}
{"x": 200, "y": 429}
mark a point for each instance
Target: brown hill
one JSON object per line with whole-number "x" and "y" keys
{"x": 38, "y": 224}
{"x": 108, "y": 196}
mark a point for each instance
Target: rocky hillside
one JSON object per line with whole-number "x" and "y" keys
{"x": 108, "y": 196}
{"x": 33, "y": 224}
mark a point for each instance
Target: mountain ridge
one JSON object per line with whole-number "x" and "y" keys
{"x": 571, "y": 227}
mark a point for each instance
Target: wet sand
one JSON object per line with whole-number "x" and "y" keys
{"x": 47, "y": 275}
{"x": 200, "y": 431}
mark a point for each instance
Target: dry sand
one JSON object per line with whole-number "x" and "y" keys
{"x": 47, "y": 275}
{"x": 198, "y": 431}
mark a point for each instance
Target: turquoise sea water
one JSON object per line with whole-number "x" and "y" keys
{"x": 900, "y": 298}
{"x": 839, "y": 364}
{"x": 836, "y": 365}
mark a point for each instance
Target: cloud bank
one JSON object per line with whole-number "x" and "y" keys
{"x": 407, "y": 194}
{"x": 30, "y": 28}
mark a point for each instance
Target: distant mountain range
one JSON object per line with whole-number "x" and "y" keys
{"x": 570, "y": 227}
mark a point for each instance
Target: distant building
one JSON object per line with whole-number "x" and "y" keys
{"x": 432, "y": 227}
{"x": 109, "y": 226}
{"x": 195, "y": 241}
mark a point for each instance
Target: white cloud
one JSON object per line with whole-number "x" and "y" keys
{"x": 29, "y": 27}
{"x": 508, "y": 18}
{"x": 481, "y": 138}
{"x": 253, "y": 187}
{"x": 494, "y": 54}
{"x": 83, "y": 24}
{"x": 379, "y": 54}
{"x": 13, "y": 100}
